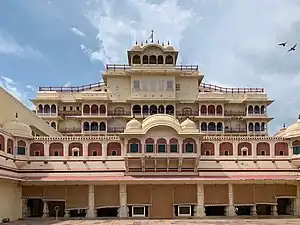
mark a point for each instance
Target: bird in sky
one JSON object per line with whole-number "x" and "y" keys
{"x": 292, "y": 48}
{"x": 283, "y": 44}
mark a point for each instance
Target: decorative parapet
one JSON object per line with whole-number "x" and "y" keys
{"x": 246, "y": 138}
{"x": 78, "y": 138}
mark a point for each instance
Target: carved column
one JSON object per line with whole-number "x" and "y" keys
{"x": 45, "y": 209}
{"x": 85, "y": 151}
{"x": 274, "y": 210}
{"x": 230, "y": 209}
{"x": 24, "y": 208}
{"x": 66, "y": 148}
{"x": 46, "y": 149}
{"x": 104, "y": 149}
{"x": 217, "y": 149}
{"x": 91, "y": 210}
{"x": 123, "y": 210}
{"x": 200, "y": 209}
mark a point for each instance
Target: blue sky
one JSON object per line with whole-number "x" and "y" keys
{"x": 55, "y": 42}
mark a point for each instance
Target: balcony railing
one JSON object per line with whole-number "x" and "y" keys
{"x": 234, "y": 113}
{"x": 118, "y": 113}
{"x": 193, "y": 113}
{"x": 113, "y": 67}
{"x": 115, "y": 129}
{"x": 69, "y": 130}
{"x": 72, "y": 88}
{"x": 210, "y": 114}
{"x": 210, "y": 87}
{"x": 46, "y": 114}
{"x": 69, "y": 113}
{"x": 235, "y": 130}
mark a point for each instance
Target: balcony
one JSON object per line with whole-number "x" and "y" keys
{"x": 72, "y": 88}
{"x": 215, "y": 88}
{"x": 115, "y": 129}
{"x": 113, "y": 67}
{"x": 69, "y": 130}
{"x": 187, "y": 113}
{"x": 234, "y": 113}
{"x": 69, "y": 113}
{"x": 47, "y": 114}
{"x": 118, "y": 113}
{"x": 235, "y": 130}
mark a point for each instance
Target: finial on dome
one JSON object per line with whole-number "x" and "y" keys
{"x": 162, "y": 44}
{"x": 133, "y": 116}
{"x": 17, "y": 115}
{"x": 168, "y": 43}
{"x": 142, "y": 43}
{"x": 157, "y": 41}
{"x": 284, "y": 125}
{"x": 299, "y": 117}
{"x": 136, "y": 42}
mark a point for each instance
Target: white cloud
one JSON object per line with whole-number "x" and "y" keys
{"x": 77, "y": 32}
{"x": 8, "y": 45}
{"x": 16, "y": 90}
{"x": 118, "y": 31}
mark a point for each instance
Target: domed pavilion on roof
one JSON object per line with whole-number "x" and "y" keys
{"x": 150, "y": 141}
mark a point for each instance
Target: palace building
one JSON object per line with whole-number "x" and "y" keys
{"x": 150, "y": 141}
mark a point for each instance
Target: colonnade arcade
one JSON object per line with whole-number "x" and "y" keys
{"x": 163, "y": 199}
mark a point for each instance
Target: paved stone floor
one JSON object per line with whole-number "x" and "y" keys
{"x": 270, "y": 221}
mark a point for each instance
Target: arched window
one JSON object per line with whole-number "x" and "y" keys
{"x": 203, "y": 110}
{"x": 94, "y": 110}
{"x": 53, "y": 125}
{"x": 153, "y": 109}
{"x": 136, "y": 110}
{"x": 94, "y": 126}
{"x": 160, "y": 59}
{"x": 161, "y": 109}
{"x": 40, "y": 109}
{"x": 136, "y": 59}
{"x": 170, "y": 109}
{"x": 257, "y": 127}
{"x": 86, "y": 126}
{"x": 263, "y": 126}
{"x": 169, "y": 59}
{"x": 53, "y": 108}
{"x": 250, "y": 109}
{"x": 203, "y": 126}
{"x": 149, "y": 145}
{"x": 187, "y": 111}
{"x": 86, "y": 109}
{"x": 102, "y": 126}
{"x": 211, "y": 126}
{"x": 21, "y": 147}
{"x": 145, "y": 59}
{"x": 211, "y": 110}
{"x": 250, "y": 127}
{"x": 219, "y": 110}
{"x": 296, "y": 147}
{"x": 256, "y": 109}
{"x": 152, "y": 59}
{"x": 145, "y": 110}
{"x": 219, "y": 126}
{"x": 46, "y": 109}
{"x": 102, "y": 109}
{"x": 75, "y": 152}
{"x": 262, "y": 109}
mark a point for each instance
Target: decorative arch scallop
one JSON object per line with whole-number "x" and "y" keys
{"x": 21, "y": 147}
{"x": 149, "y": 145}
{"x": 56, "y": 149}
{"x": 173, "y": 145}
{"x": 263, "y": 148}
{"x": 86, "y": 109}
{"x": 281, "y": 148}
{"x": 134, "y": 146}
{"x": 160, "y": 59}
{"x": 189, "y": 145}
{"x": 94, "y": 109}
{"x": 246, "y": 145}
{"x": 226, "y": 148}
{"x": 36, "y": 149}
{"x": 94, "y": 149}
{"x": 145, "y": 59}
{"x": 203, "y": 110}
{"x": 207, "y": 148}
{"x": 219, "y": 110}
{"x": 161, "y": 145}
{"x": 2, "y": 143}
{"x": 211, "y": 110}
{"x": 136, "y": 59}
{"x": 102, "y": 109}
{"x": 113, "y": 149}
{"x": 75, "y": 145}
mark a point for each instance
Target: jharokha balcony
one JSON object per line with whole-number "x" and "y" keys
{"x": 214, "y": 88}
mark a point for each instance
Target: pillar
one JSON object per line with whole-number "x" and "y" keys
{"x": 91, "y": 209}
{"x": 104, "y": 149}
{"x": 85, "y": 149}
{"x": 230, "y": 211}
{"x": 297, "y": 201}
{"x": 45, "y": 209}
{"x": 66, "y": 149}
{"x": 274, "y": 210}
{"x": 24, "y": 208}
{"x": 200, "y": 209}
{"x": 123, "y": 210}
{"x": 254, "y": 210}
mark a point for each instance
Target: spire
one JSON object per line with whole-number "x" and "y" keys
{"x": 17, "y": 116}
{"x": 284, "y": 125}
{"x": 151, "y": 36}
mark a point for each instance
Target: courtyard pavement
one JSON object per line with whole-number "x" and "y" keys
{"x": 282, "y": 221}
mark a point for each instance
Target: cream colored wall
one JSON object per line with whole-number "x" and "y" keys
{"x": 10, "y": 200}
{"x": 194, "y": 107}
{"x": 234, "y": 123}
{"x": 235, "y": 107}
{"x": 118, "y": 122}
{"x": 119, "y": 86}
{"x": 188, "y": 88}
{"x": 113, "y": 106}
{"x": 152, "y": 91}
{"x": 13, "y": 106}
{"x": 69, "y": 124}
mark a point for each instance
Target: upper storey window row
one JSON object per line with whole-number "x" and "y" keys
{"x": 153, "y": 85}
{"x": 256, "y": 109}
{"x": 152, "y": 59}
{"x": 46, "y": 109}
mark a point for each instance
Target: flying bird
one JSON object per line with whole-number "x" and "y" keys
{"x": 283, "y": 44}
{"x": 292, "y": 48}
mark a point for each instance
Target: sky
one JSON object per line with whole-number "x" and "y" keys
{"x": 234, "y": 42}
